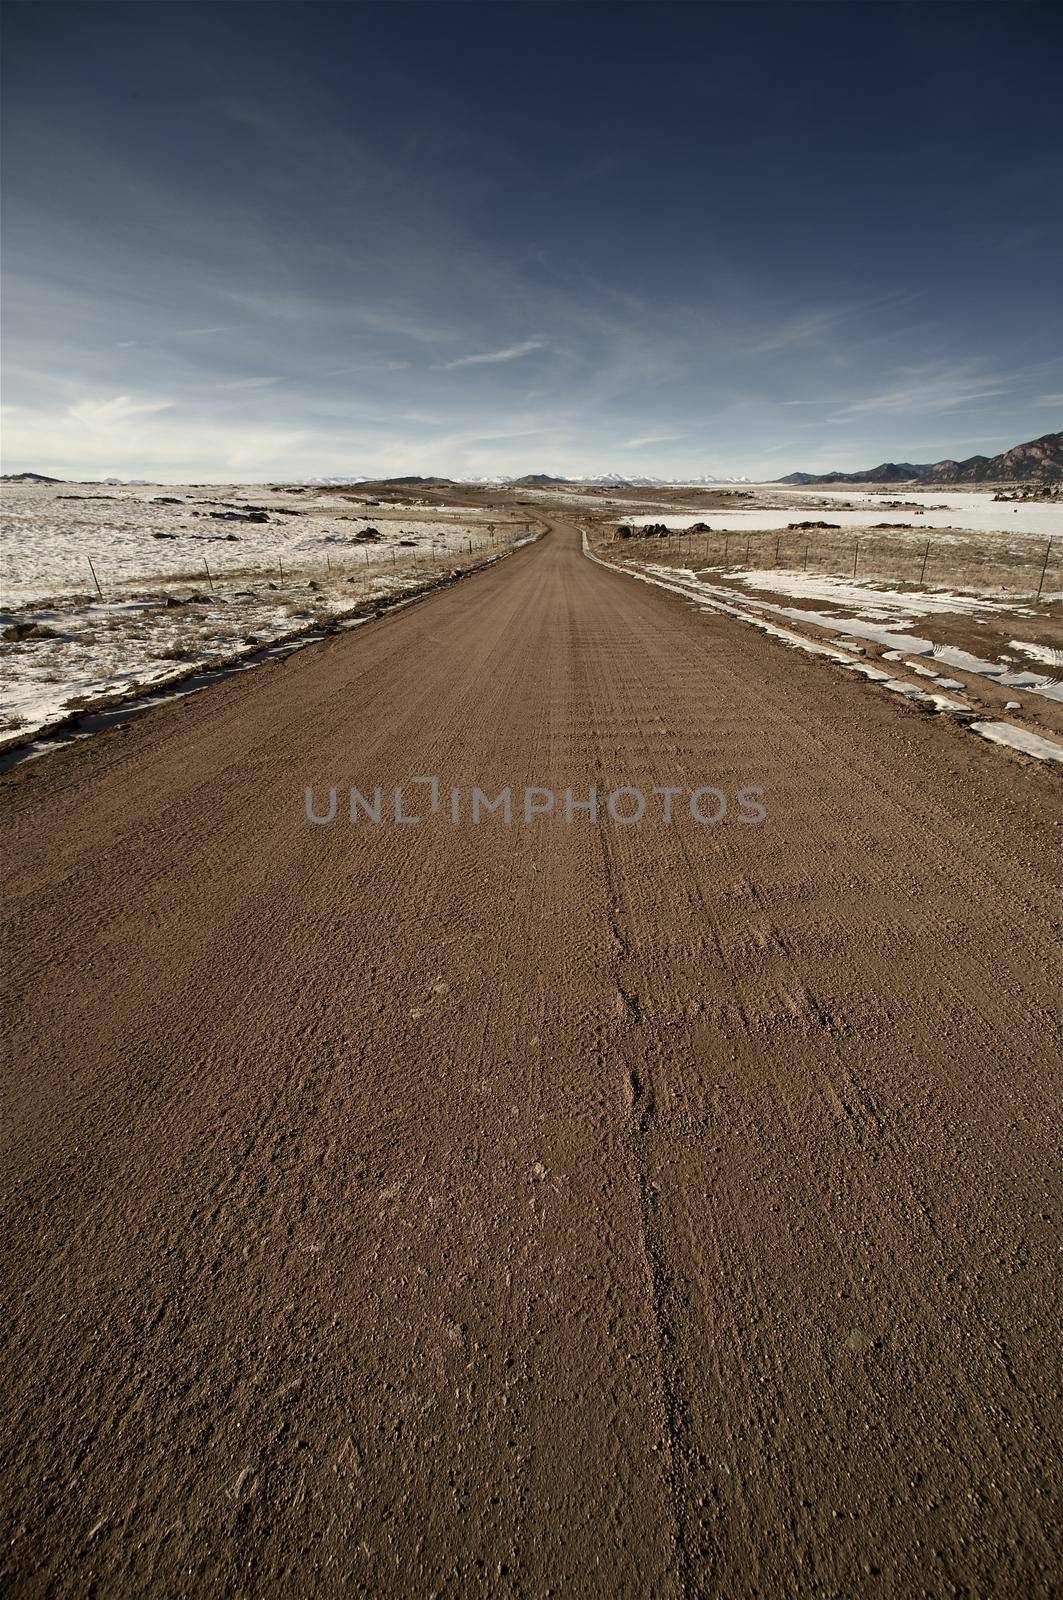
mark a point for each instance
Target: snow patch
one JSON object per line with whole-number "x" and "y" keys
{"x": 1039, "y": 652}
{"x": 1029, "y": 744}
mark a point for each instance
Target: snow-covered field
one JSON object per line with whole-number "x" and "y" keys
{"x": 974, "y": 513}
{"x": 182, "y": 586}
{"x": 179, "y": 534}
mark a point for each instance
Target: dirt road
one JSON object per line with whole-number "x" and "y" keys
{"x": 591, "y": 1209}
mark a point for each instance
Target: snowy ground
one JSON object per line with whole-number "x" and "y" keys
{"x": 182, "y": 588}
{"x": 183, "y": 534}
{"x": 974, "y": 513}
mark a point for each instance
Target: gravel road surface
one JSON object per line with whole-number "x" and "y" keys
{"x": 654, "y": 1209}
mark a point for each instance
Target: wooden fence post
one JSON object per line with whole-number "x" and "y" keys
{"x": 1044, "y": 569}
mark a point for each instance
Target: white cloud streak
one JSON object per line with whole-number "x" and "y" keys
{"x": 650, "y": 438}
{"x": 512, "y": 352}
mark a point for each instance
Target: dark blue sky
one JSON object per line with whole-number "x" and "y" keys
{"x": 247, "y": 240}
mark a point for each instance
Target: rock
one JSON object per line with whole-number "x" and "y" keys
{"x": 172, "y": 602}
{"x": 18, "y": 631}
{"x": 1013, "y": 705}
{"x": 313, "y": 584}
{"x": 200, "y": 600}
{"x": 164, "y": 535}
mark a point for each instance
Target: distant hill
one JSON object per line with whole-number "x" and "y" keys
{"x": 28, "y": 477}
{"x": 416, "y": 483}
{"x": 1039, "y": 458}
{"x": 616, "y": 480}
{"x": 610, "y": 480}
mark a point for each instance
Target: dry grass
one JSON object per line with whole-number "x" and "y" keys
{"x": 973, "y": 562}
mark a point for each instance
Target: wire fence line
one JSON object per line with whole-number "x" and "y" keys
{"x": 1022, "y": 563}
{"x": 342, "y": 561}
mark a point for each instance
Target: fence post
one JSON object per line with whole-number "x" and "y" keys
{"x": 926, "y": 558}
{"x": 95, "y": 580}
{"x": 804, "y": 564}
{"x": 1044, "y": 569}
{"x": 210, "y": 580}
{"x": 856, "y": 557}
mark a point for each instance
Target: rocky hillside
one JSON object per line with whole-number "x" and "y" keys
{"x": 1039, "y": 459}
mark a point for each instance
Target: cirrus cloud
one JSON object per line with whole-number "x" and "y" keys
{"x": 511, "y": 352}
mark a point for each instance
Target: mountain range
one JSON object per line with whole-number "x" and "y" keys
{"x": 1037, "y": 459}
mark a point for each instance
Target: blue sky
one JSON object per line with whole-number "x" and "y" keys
{"x": 257, "y": 241}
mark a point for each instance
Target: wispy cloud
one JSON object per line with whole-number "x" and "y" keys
{"x": 924, "y": 391}
{"x": 815, "y": 326}
{"x": 511, "y": 352}
{"x": 650, "y": 438}
{"x": 251, "y": 383}
{"x": 103, "y": 414}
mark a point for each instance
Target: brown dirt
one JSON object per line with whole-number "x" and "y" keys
{"x": 550, "y": 1210}
{"x": 989, "y": 637}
